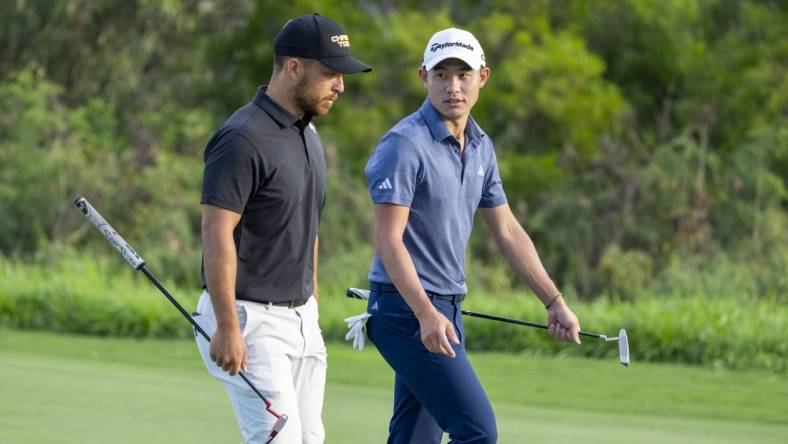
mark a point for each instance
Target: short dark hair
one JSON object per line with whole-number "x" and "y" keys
{"x": 280, "y": 60}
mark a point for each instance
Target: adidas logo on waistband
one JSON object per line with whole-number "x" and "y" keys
{"x": 385, "y": 185}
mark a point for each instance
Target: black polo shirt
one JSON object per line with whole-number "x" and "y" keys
{"x": 268, "y": 166}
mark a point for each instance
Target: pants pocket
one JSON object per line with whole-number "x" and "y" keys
{"x": 313, "y": 337}
{"x": 243, "y": 315}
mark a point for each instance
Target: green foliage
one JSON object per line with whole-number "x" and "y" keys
{"x": 720, "y": 332}
{"x": 548, "y": 94}
{"x": 643, "y": 145}
{"x": 626, "y": 272}
{"x": 56, "y": 153}
{"x": 81, "y": 294}
{"x": 45, "y": 149}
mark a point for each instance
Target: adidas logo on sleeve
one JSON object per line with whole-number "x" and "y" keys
{"x": 385, "y": 185}
{"x": 480, "y": 172}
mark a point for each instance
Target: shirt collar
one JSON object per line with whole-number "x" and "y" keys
{"x": 283, "y": 117}
{"x": 438, "y": 128}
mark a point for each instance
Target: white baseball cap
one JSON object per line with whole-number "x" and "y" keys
{"x": 453, "y": 43}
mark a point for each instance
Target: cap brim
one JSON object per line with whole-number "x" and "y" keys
{"x": 345, "y": 64}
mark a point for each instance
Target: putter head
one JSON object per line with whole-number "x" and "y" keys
{"x": 357, "y": 293}
{"x": 280, "y": 423}
{"x": 281, "y": 420}
{"x": 623, "y": 347}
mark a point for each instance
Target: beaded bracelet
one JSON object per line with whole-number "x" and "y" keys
{"x": 547, "y": 307}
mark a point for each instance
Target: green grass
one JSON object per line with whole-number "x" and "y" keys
{"x": 77, "y": 389}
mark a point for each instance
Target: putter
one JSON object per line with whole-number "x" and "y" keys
{"x": 623, "y": 341}
{"x": 136, "y": 261}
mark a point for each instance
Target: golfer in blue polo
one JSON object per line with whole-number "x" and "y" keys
{"x": 427, "y": 177}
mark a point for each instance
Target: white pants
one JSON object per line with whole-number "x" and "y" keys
{"x": 286, "y": 363}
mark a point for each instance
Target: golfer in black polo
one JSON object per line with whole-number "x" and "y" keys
{"x": 263, "y": 189}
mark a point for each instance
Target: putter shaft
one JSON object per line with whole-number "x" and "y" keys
{"x": 528, "y": 323}
{"x": 621, "y": 339}
{"x": 136, "y": 261}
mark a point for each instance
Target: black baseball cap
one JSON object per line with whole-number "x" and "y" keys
{"x": 314, "y": 36}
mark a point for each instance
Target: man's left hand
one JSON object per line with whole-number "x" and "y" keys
{"x": 562, "y": 323}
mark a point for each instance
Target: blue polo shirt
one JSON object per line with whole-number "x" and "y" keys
{"x": 418, "y": 164}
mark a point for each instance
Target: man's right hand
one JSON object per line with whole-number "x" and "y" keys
{"x": 436, "y": 332}
{"x": 228, "y": 350}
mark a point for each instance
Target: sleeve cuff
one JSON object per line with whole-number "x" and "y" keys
{"x": 224, "y": 204}
{"x": 492, "y": 203}
{"x": 391, "y": 199}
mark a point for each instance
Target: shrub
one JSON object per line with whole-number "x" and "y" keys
{"x": 83, "y": 294}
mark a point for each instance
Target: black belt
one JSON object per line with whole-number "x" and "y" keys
{"x": 388, "y": 288}
{"x": 288, "y": 304}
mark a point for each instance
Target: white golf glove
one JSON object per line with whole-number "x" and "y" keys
{"x": 356, "y": 330}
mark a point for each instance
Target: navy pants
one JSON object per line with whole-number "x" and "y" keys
{"x": 432, "y": 393}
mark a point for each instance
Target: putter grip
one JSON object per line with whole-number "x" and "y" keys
{"x": 112, "y": 236}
